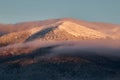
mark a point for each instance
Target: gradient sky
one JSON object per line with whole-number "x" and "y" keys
{"x": 12, "y": 11}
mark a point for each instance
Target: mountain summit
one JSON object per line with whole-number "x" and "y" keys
{"x": 57, "y": 30}
{"x": 67, "y": 30}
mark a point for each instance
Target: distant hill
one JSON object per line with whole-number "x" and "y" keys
{"x": 57, "y": 30}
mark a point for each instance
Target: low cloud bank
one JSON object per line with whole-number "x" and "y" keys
{"x": 103, "y": 47}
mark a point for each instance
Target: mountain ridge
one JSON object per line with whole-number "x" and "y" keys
{"x": 60, "y": 29}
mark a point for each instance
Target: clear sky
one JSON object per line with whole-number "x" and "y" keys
{"x": 12, "y": 11}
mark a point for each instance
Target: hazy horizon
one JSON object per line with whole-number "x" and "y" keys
{"x": 14, "y": 11}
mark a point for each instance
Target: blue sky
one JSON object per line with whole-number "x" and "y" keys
{"x": 12, "y": 11}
